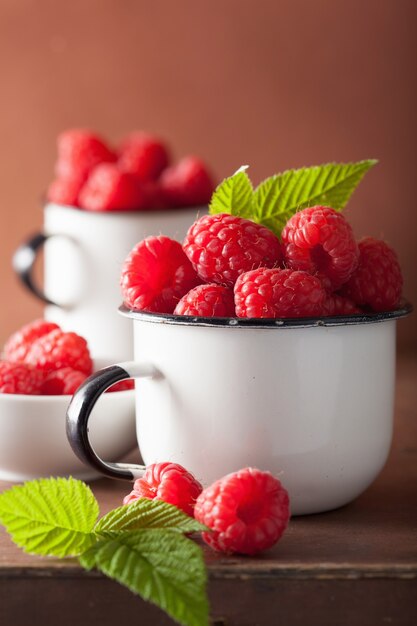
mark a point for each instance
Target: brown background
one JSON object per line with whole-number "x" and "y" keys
{"x": 275, "y": 84}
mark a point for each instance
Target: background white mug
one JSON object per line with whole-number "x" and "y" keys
{"x": 309, "y": 400}
{"x": 84, "y": 253}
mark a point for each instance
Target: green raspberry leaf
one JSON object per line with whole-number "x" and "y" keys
{"x": 277, "y": 198}
{"x": 234, "y": 195}
{"x": 161, "y": 566}
{"x": 145, "y": 513}
{"x": 51, "y": 516}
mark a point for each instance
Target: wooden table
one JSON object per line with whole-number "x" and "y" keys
{"x": 354, "y": 566}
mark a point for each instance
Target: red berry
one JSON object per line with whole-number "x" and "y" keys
{"x": 65, "y": 190}
{"x": 57, "y": 350}
{"x": 123, "y": 385}
{"x": 222, "y": 246}
{"x": 169, "y": 482}
{"x": 109, "y": 189}
{"x": 187, "y": 183}
{"x": 207, "y": 301}
{"x": 338, "y": 305}
{"x": 144, "y": 156}
{"x": 20, "y": 378}
{"x": 156, "y": 274}
{"x": 278, "y": 293}
{"x": 18, "y": 344}
{"x": 79, "y": 151}
{"x": 153, "y": 199}
{"x": 247, "y": 512}
{"x": 62, "y": 382}
{"x": 377, "y": 283}
{"x": 319, "y": 240}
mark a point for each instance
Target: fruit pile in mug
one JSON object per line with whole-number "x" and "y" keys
{"x": 137, "y": 175}
{"x": 309, "y": 265}
{"x": 42, "y": 359}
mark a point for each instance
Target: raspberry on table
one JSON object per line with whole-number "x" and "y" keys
{"x": 20, "y": 378}
{"x": 319, "y": 240}
{"x": 109, "y": 189}
{"x": 79, "y": 151}
{"x": 60, "y": 382}
{"x": 210, "y": 300}
{"x": 18, "y": 344}
{"x": 57, "y": 350}
{"x": 336, "y": 304}
{"x": 223, "y": 246}
{"x": 187, "y": 183}
{"x": 169, "y": 482}
{"x": 278, "y": 293}
{"x": 66, "y": 190}
{"x": 247, "y": 512}
{"x": 377, "y": 282}
{"x": 156, "y": 275}
{"x": 144, "y": 156}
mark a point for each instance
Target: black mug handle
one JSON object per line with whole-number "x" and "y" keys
{"x": 79, "y": 411}
{"x": 23, "y": 261}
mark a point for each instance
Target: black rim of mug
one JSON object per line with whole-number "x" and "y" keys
{"x": 300, "y": 322}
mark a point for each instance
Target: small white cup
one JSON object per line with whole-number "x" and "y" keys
{"x": 309, "y": 400}
{"x": 33, "y": 442}
{"x": 84, "y": 254}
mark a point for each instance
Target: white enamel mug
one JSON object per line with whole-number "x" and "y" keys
{"x": 309, "y": 400}
{"x": 84, "y": 253}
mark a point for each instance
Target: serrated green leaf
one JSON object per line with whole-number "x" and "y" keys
{"x": 50, "y": 516}
{"x": 145, "y": 513}
{"x": 161, "y": 566}
{"x": 277, "y": 198}
{"x": 233, "y": 195}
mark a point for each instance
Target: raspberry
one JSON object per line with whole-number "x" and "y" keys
{"x": 319, "y": 240}
{"x": 18, "y": 344}
{"x": 188, "y": 183}
{"x": 144, "y": 156}
{"x": 377, "y": 282}
{"x": 62, "y": 382}
{"x": 152, "y": 196}
{"x": 169, "y": 482}
{"x": 222, "y": 246}
{"x": 123, "y": 385}
{"x": 57, "y": 350}
{"x": 338, "y": 305}
{"x": 207, "y": 301}
{"x": 109, "y": 189}
{"x": 156, "y": 274}
{"x": 65, "y": 190}
{"x": 79, "y": 151}
{"x": 278, "y": 293}
{"x": 247, "y": 512}
{"x": 20, "y": 378}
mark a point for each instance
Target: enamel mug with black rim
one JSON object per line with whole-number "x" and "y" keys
{"x": 309, "y": 400}
{"x": 84, "y": 254}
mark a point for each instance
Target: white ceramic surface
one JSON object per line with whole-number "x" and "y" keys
{"x": 83, "y": 259}
{"x": 33, "y": 440}
{"x": 313, "y": 405}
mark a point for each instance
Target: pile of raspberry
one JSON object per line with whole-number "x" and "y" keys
{"x": 137, "y": 175}
{"x": 42, "y": 359}
{"x": 245, "y": 512}
{"x": 228, "y": 266}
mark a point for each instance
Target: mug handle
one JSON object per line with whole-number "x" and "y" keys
{"x": 79, "y": 411}
{"x": 23, "y": 261}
